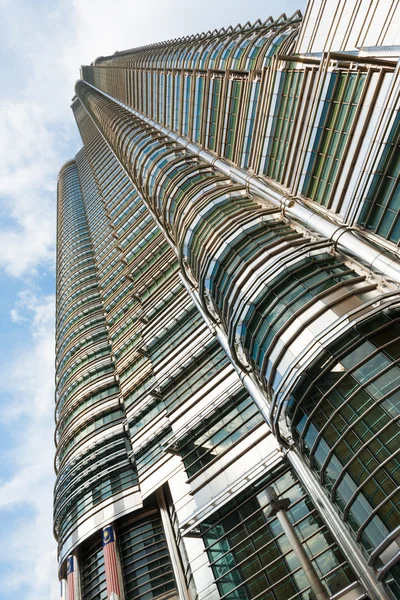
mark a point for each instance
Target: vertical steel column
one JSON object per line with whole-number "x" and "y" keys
{"x": 172, "y": 547}
{"x": 110, "y": 563}
{"x": 278, "y": 507}
{"x": 301, "y": 554}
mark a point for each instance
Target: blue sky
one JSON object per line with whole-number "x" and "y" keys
{"x": 42, "y": 45}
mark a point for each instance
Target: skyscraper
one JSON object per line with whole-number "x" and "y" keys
{"x": 228, "y": 317}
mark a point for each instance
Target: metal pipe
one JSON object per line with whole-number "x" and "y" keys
{"x": 297, "y": 546}
{"x": 302, "y": 556}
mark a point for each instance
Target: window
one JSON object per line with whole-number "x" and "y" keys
{"x": 336, "y": 125}
{"x": 382, "y": 205}
{"x": 217, "y": 433}
{"x": 146, "y": 564}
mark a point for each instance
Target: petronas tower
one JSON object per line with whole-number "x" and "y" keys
{"x": 228, "y": 315}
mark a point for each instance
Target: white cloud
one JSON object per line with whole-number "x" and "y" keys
{"x": 28, "y": 159}
{"x": 27, "y": 411}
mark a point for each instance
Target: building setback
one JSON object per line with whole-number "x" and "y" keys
{"x": 228, "y": 316}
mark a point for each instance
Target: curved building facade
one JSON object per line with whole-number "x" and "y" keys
{"x": 228, "y": 316}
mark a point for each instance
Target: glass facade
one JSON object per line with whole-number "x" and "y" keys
{"x": 85, "y": 376}
{"x": 336, "y": 125}
{"x": 251, "y": 557}
{"x": 345, "y": 414}
{"x": 392, "y": 581}
{"x": 146, "y": 566}
{"x": 382, "y": 205}
{"x": 93, "y": 572}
